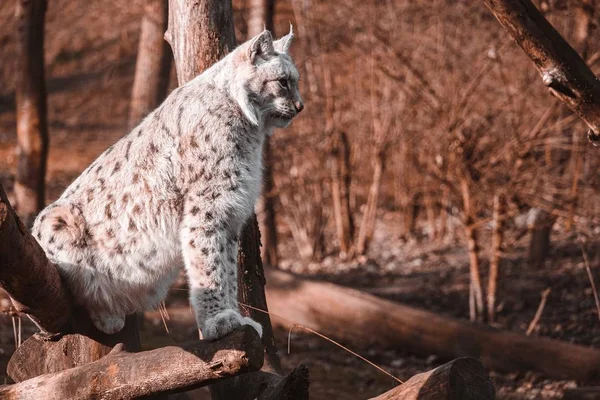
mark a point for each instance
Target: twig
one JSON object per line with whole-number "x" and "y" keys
{"x": 590, "y": 276}
{"x": 164, "y": 315}
{"x": 294, "y": 325}
{"x": 538, "y": 314}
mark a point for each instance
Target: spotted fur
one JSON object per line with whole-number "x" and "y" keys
{"x": 175, "y": 190}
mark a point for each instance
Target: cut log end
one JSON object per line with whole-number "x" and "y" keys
{"x": 463, "y": 378}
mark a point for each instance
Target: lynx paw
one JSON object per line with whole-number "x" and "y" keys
{"x": 225, "y": 322}
{"x": 108, "y": 323}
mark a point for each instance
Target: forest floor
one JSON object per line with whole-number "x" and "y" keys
{"x": 89, "y": 71}
{"x": 432, "y": 276}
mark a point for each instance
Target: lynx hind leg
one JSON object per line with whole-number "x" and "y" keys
{"x": 61, "y": 230}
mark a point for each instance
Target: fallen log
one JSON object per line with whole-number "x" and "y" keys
{"x": 362, "y": 320}
{"x": 124, "y": 375}
{"x": 463, "y": 378}
{"x": 30, "y": 279}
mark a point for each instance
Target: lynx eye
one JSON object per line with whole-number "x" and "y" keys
{"x": 283, "y": 82}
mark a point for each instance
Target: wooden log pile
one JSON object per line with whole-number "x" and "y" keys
{"x": 124, "y": 375}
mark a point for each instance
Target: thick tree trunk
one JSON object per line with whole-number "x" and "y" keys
{"x": 153, "y": 65}
{"x": 463, "y": 378}
{"x": 31, "y": 280}
{"x": 366, "y": 321}
{"x": 200, "y": 34}
{"x": 32, "y": 125}
{"x": 123, "y": 375}
{"x": 562, "y": 70}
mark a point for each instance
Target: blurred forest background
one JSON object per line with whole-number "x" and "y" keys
{"x": 430, "y": 165}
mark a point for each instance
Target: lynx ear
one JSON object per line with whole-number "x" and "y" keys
{"x": 261, "y": 45}
{"x": 282, "y": 45}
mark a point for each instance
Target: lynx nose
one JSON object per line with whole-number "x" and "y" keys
{"x": 299, "y": 105}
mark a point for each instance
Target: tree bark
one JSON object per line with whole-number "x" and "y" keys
{"x": 153, "y": 64}
{"x": 562, "y": 70}
{"x": 463, "y": 378}
{"x": 123, "y": 375}
{"x": 540, "y": 227}
{"x": 496, "y": 255}
{"x": 261, "y": 16}
{"x": 32, "y": 124}
{"x": 340, "y": 192}
{"x": 429, "y": 204}
{"x": 366, "y": 321}
{"x": 200, "y": 34}
{"x": 476, "y": 306}
{"x": 367, "y": 225}
{"x": 266, "y": 210}
{"x": 251, "y": 291}
{"x": 30, "y": 279}
{"x": 40, "y": 355}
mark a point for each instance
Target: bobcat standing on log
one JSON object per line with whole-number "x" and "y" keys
{"x": 177, "y": 189}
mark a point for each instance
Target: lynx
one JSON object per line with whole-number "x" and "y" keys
{"x": 175, "y": 190}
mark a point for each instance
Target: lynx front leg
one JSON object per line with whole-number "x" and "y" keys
{"x": 212, "y": 272}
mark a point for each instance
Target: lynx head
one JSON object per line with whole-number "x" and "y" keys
{"x": 269, "y": 80}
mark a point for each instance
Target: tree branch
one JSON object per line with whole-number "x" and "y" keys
{"x": 30, "y": 279}
{"x": 123, "y": 375}
{"x": 561, "y": 68}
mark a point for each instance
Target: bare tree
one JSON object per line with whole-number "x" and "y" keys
{"x": 339, "y": 164}
{"x": 32, "y": 125}
{"x": 382, "y": 124}
{"x": 496, "y": 255}
{"x": 153, "y": 65}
